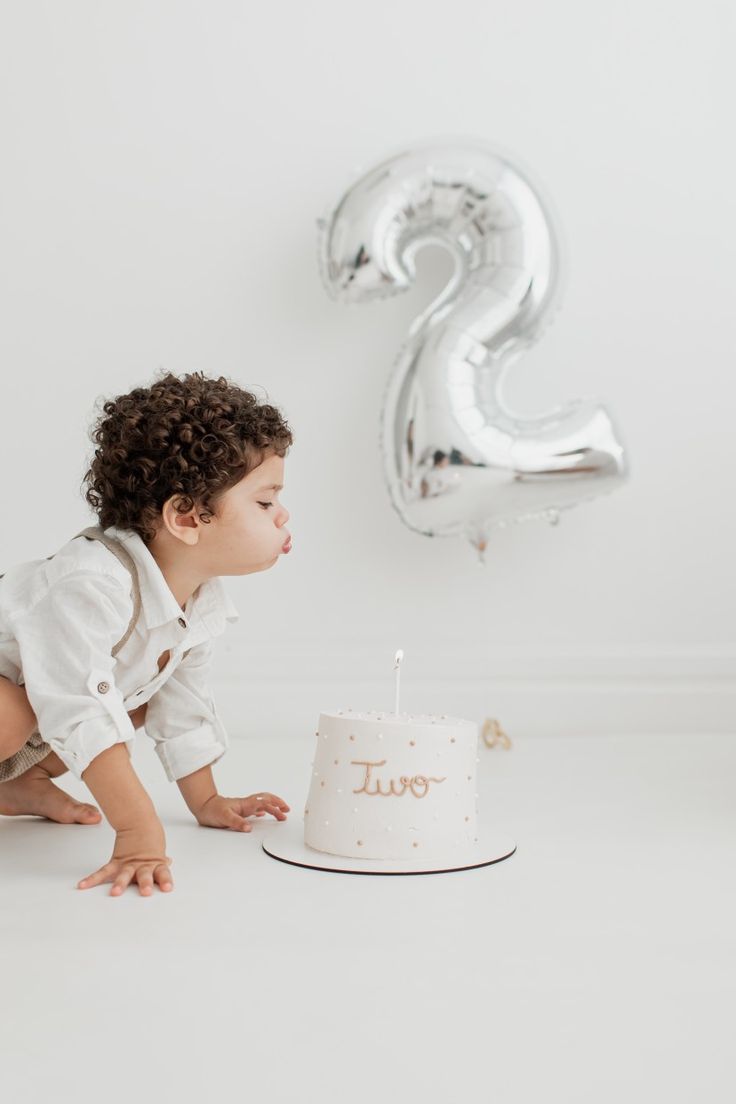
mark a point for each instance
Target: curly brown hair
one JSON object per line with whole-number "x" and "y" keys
{"x": 191, "y": 436}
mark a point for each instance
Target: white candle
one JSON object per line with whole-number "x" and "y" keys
{"x": 397, "y": 668}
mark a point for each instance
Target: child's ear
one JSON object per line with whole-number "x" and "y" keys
{"x": 182, "y": 524}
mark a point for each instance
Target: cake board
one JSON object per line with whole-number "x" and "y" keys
{"x": 286, "y": 844}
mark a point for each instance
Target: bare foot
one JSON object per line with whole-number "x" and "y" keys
{"x": 34, "y": 794}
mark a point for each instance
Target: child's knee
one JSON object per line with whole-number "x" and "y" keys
{"x": 17, "y": 719}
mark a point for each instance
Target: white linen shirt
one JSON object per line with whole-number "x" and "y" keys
{"x": 59, "y": 621}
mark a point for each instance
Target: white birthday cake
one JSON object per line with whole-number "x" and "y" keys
{"x": 393, "y": 786}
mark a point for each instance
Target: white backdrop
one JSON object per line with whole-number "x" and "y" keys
{"x": 164, "y": 166}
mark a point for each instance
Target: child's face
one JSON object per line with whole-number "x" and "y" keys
{"x": 248, "y": 533}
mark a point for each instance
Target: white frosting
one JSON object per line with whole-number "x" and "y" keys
{"x": 392, "y": 786}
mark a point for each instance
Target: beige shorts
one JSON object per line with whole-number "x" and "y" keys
{"x": 33, "y": 751}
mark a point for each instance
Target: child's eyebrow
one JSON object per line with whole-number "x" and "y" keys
{"x": 271, "y": 487}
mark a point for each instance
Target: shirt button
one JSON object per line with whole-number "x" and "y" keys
{"x": 182, "y": 622}
{"x": 103, "y": 687}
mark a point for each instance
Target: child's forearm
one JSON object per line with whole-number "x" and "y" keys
{"x": 118, "y": 789}
{"x": 197, "y": 788}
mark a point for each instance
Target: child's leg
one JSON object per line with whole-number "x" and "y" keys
{"x": 17, "y": 719}
{"x": 34, "y": 794}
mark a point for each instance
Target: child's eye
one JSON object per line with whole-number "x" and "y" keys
{"x": 266, "y": 504}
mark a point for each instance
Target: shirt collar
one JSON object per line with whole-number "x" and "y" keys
{"x": 210, "y": 600}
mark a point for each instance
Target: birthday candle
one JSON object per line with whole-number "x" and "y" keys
{"x": 397, "y": 668}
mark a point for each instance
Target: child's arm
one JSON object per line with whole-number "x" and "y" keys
{"x": 140, "y": 845}
{"x": 119, "y": 790}
{"x": 197, "y": 788}
{"x": 182, "y": 721}
{"x": 65, "y": 641}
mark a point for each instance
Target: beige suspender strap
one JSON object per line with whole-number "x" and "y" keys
{"x": 96, "y": 533}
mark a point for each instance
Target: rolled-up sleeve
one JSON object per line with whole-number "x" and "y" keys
{"x": 182, "y": 719}
{"x": 65, "y": 642}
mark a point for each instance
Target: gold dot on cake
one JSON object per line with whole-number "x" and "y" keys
{"x": 452, "y": 739}
{"x": 412, "y": 742}
{"x": 322, "y": 782}
{"x": 415, "y": 844}
{"x": 337, "y": 761}
{"x": 470, "y": 777}
{"x": 351, "y": 736}
{"x": 360, "y": 843}
{"x": 467, "y": 818}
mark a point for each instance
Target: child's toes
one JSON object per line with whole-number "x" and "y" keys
{"x": 82, "y": 813}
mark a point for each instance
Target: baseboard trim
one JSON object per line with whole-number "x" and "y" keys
{"x": 281, "y": 691}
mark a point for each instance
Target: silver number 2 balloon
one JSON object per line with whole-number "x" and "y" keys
{"x": 457, "y": 460}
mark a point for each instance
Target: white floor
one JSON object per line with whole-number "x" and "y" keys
{"x": 596, "y": 964}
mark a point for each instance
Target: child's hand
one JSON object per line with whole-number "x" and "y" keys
{"x": 230, "y": 812}
{"x": 139, "y": 856}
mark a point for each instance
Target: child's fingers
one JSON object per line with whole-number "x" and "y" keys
{"x": 101, "y": 875}
{"x": 274, "y": 810}
{"x": 268, "y": 799}
{"x": 237, "y": 823}
{"x": 275, "y": 800}
{"x": 123, "y": 880}
{"x": 162, "y": 875}
{"x": 145, "y": 882}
